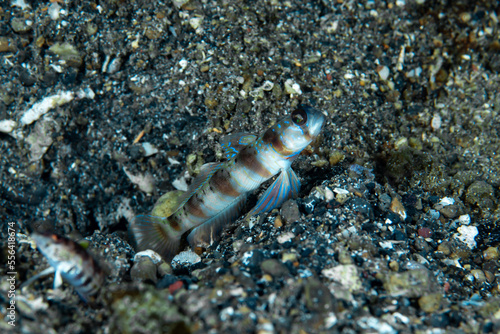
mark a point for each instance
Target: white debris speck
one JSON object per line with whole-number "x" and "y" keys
{"x": 50, "y": 102}
{"x": 20, "y": 3}
{"x": 187, "y": 257}
{"x": 57, "y": 68}
{"x": 328, "y": 194}
{"x": 341, "y": 191}
{"x": 125, "y": 210}
{"x": 172, "y": 161}
{"x": 183, "y": 63}
{"x": 7, "y": 125}
{"x": 349, "y": 76}
{"x": 86, "y": 93}
{"x": 330, "y": 320}
{"x": 180, "y": 184}
{"x": 401, "y": 58}
{"x": 386, "y": 244}
{"x": 292, "y": 88}
{"x": 376, "y": 325}
{"x": 40, "y": 138}
{"x": 226, "y": 313}
{"x": 143, "y": 181}
{"x": 445, "y": 201}
{"x": 436, "y": 122}
{"x": 54, "y": 11}
{"x": 236, "y": 292}
{"x": 399, "y": 317}
{"x": 155, "y": 257}
{"x": 346, "y": 275}
{"x": 467, "y": 235}
{"x": 464, "y": 219}
{"x": 36, "y": 304}
{"x": 149, "y": 149}
{"x": 195, "y": 22}
{"x": 285, "y": 237}
{"x": 114, "y": 65}
{"x": 179, "y": 3}
{"x": 267, "y": 86}
{"x": 383, "y": 72}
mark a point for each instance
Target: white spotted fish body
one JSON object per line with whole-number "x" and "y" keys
{"x": 71, "y": 262}
{"x": 218, "y": 194}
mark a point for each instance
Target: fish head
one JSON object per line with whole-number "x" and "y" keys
{"x": 52, "y": 246}
{"x": 301, "y": 127}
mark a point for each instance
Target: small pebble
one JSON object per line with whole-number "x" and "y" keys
{"x": 383, "y": 72}
{"x": 398, "y": 208}
{"x": 430, "y": 303}
{"x": 479, "y": 275}
{"x": 144, "y": 269}
{"x": 449, "y": 211}
{"x": 491, "y": 254}
{"x": 436, "y": 122}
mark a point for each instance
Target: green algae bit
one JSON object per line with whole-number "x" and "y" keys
{"x": 167, "y": 204}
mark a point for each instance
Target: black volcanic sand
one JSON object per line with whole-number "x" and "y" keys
{"x": 396, "y": 228}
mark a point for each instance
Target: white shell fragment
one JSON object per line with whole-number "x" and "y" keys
{"x": 187, "y": 258}
{"x": 180, "y": 184}
{"x": 149, "y": 149}
{"x": 195, "y": 22}
{"x": 7, "y": 125}
{"x": 285, "y": 237}
{"x": 467, "y": 235}
{"x": 54, "y": 11}
{"x": 346, "y": 275}
{"x": 179, "y": 3}
{"x": 445, "y": 201}
{"x": 20, "y": 3}
{"x": 292, "y": 88}
{"x": 383, "y": 72}
{"x": 464, "y": 219}
{"x": 143, "y": 181}
{"x": 155, "y": 257}
{"x": 40, "y": 138}
{"x": 268, "y": 85}
{"x": 436, "y": 122}
{"x": 50, "y": 102}
{"x": 341, "y": 191}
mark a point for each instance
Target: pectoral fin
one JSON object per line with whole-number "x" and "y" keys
{"x": 287, "y": 185}
{"x": 209, "y": 231}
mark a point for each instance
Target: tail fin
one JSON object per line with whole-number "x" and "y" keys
{"x": 150, "y": 232}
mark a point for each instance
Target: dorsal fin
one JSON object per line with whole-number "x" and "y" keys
{"x": 206, "y": 172}
{"x": 232, "y": 144}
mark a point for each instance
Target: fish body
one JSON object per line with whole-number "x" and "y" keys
{"x": 71, "y": 262}
{"x": 219, "y": 192}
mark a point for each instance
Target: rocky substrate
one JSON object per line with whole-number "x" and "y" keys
{"x": 105, "y": 106}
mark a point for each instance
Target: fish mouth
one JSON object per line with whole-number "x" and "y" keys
{"x": 315, "y": 120}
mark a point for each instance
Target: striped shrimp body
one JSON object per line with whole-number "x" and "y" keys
{"x": 219, "y": 192}
{"x": 71, "y": 262}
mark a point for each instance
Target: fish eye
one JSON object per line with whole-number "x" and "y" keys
{"x": 299, "y": 116}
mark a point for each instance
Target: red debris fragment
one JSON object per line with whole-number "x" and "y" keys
{"x": 425, "y": 232}
{"x": 175, "y": 286}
